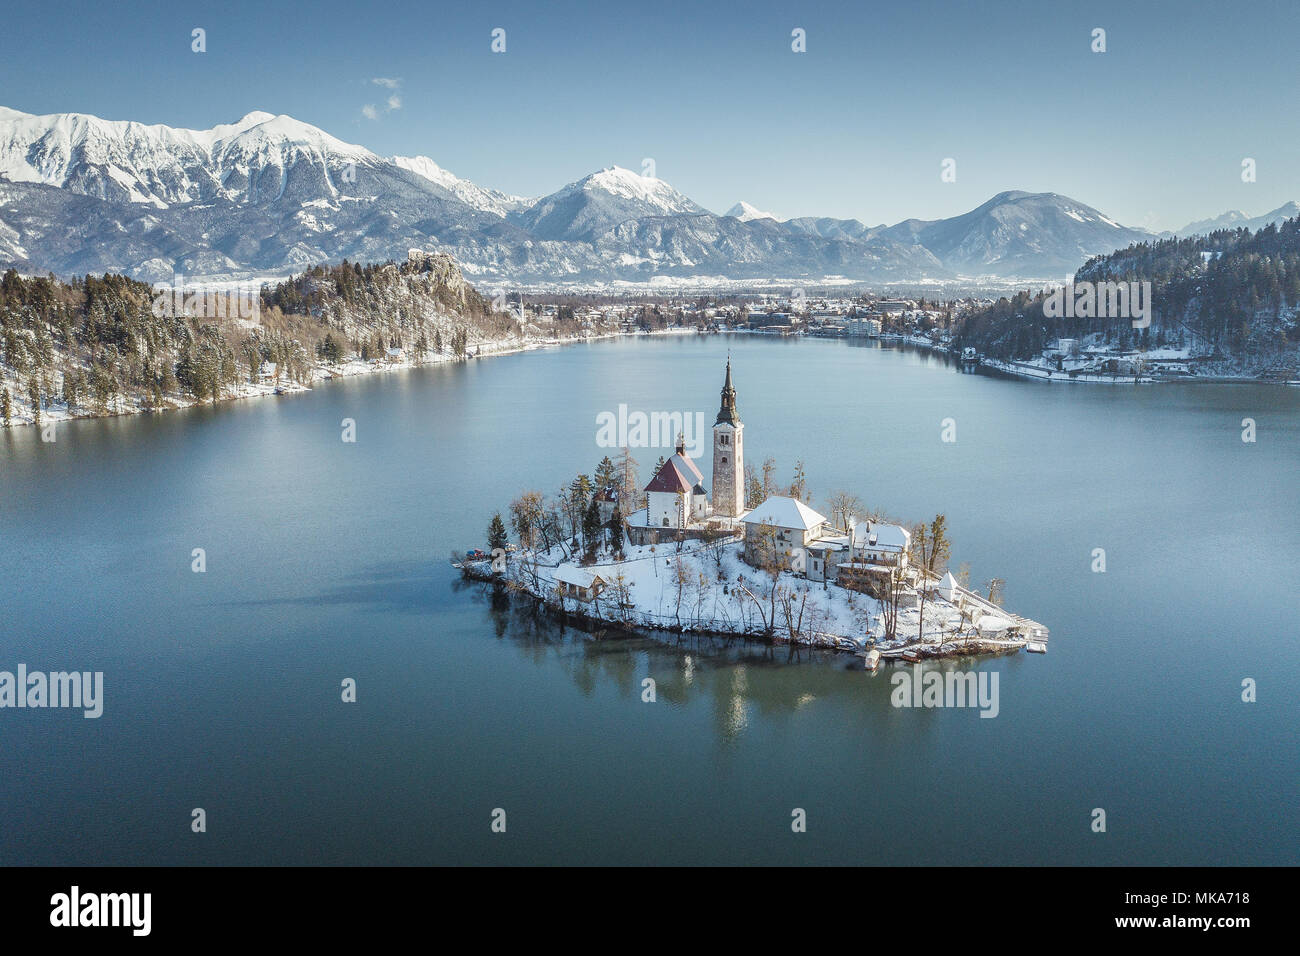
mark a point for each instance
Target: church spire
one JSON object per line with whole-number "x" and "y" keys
{"x": 727, "y": 413}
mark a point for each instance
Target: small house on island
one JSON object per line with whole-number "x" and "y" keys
{"x": 781, "y": 529}
{"x": 878, "y": 543}
{"x": 578, "y": 584}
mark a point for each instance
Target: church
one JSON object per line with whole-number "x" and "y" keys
{"x": 678, "y": 505}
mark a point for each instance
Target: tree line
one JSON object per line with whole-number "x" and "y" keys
{"x": 1235, "y": 290}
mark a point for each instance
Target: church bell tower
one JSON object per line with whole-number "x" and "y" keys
{"x": 728, "y": 455}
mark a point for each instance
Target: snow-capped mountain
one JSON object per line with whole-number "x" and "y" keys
{"x": 487, "y": 200}
{"x": 271, "y": 194}
{"x": 1236, "y": 219}
{"x": 161, "y": 166}
{"x": 747, "y": 213}
{"x": 1019, "y": 233}
{"x": 596, "y": 203}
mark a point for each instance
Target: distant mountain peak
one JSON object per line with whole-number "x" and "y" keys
{"x": 602, "y": 200}
{"x": 626, "y": 184}
{"x": 1236, "y": 219}
{"x": 747, "y": 213}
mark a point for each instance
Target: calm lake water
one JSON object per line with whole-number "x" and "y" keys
{"x": 328, "y": 560}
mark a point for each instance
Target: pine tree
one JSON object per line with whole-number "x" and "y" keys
{"x": 496, "y": 535}
{"x": 591, "y": 528}
{"x": 330, "y": 350}
{"x": 6, "y": 406}
{"x": 34, "y": 397}
{"x": 606, "y": 474}
{"x": 616, "y": 530}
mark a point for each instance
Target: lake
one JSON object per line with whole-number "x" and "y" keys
{"x": 328, "y": 560}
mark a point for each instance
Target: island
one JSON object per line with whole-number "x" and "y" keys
{"x": 672, "y": 556}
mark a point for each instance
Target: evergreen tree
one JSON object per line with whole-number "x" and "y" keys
{"x": 6, "y": 404}
{"x": 34, "y": 397}
{"x": 330, "y": 350}
{"x": 591, "y": 528}
{"x": 606, "y": 474}
{"x": 616, "y": 530}
{"x": 496, "y": 535}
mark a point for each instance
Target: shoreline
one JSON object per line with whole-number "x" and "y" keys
{"x": 908, "y": 644}
{"x": 1025, "y": 371}
{"x": 326, "y": 373}
{"x": 358, "y": 367}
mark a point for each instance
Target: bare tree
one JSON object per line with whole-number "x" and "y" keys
{"x": 681, "y": 581}
{"x": 526, "y": 517}
{"x": 629, "y": 491}
{"x": 621, "y": 592}
{"x": 768, "y": 560}
{"x": 715, "y": 544}
{"x": 799, "y": 486}
{"x": 845, "y": 505}
{"x": 891, "y": 597}
{"x": 792, "y": 610}
{"x": 769, "y": 478}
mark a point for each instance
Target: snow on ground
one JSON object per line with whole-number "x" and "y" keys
{"x": 831, "y": 614}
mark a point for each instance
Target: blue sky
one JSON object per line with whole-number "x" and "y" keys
{"x": 1152, "y": 132}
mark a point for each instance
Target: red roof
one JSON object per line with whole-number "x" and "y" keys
{"x": 678, "y": 476}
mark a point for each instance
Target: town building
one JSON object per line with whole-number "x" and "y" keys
{"x": 779, "y": 531}
{"x": 577, "y": 583}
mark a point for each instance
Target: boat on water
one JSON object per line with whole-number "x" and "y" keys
{"x": 871, "y": 660}
{"x": 912, "y": 657}
{"x": 1036, "y": 647}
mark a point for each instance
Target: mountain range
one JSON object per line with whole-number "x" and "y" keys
{"x": 1236, "y": 219}
{"x": 270, "y": 194}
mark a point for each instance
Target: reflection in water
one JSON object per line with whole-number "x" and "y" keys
{"x": 685, "y": 667}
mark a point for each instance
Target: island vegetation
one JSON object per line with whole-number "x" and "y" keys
{"x": 574, "y": 557}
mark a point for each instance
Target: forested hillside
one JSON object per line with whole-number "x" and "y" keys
{"x": 1231, "y": 295}
{"x": 105, "y": 345}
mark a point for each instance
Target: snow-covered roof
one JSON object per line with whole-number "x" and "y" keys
{"x": 947, "y": 583}
{"x": 782, "y": 512}
{"x": 889, "y": 537}
{"x": 571, "y": 574}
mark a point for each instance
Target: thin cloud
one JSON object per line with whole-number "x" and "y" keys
{"x": 394, "y": 101}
